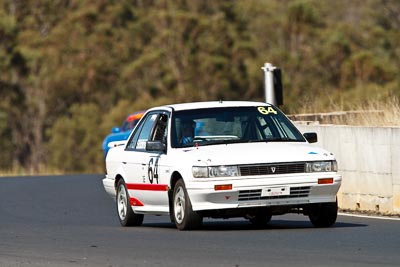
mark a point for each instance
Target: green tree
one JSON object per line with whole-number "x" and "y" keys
{"x": 75, "y": 141}
{"x": 25, "y": 84}
{"x": 7, "y": 88}
{"x": 189, "y": 41}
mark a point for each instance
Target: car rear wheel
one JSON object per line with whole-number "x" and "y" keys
{"x": 184, "y": 216}
{"x": 260, "y": 219}
{"x": 323, "y": 214}
{"x": 126, "y": 216}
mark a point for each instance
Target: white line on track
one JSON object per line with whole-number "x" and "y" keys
{"x": 369, "y": 217}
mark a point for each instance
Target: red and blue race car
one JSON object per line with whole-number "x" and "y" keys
{"x": 122, "y": 133}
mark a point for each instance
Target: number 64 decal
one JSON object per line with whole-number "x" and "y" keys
{"x": 152, "y": 170}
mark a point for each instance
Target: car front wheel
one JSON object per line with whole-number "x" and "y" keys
{"x": 126, "y": 216}
{"x": 323, "y": 214}
{"x": 260, "y": 219}
{"x": 184, "y": 216}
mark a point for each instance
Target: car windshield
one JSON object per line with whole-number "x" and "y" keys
{"x": 231, "y": 125}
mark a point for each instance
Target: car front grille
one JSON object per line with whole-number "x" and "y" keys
{"x": 272, "y": 168}
{"x": 295, "y": 192}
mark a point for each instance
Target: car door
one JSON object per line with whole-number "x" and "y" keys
{"x": 143, "y": 166}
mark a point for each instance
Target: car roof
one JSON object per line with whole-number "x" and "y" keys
{"x": 211, "y": 104}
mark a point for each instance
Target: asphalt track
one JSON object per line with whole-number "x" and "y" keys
{"x": 70, "y": 221}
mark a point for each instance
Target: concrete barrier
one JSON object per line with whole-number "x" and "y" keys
{"x": 369, "y": 161}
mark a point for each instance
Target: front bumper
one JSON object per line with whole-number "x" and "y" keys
{"x": 250, "y": 191}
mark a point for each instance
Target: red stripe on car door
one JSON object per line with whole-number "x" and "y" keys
{"x": 148, "y": 187}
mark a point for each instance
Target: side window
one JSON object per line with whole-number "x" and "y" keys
{"x": 134, "y": 138}
{"x": 160, "y": 130}
{"x": 146, "y": 131}
{"x": 142, "y": 134}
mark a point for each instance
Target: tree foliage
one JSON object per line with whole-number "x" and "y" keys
{"x": 70, "y": 70}
{"x": 78, "y": 132}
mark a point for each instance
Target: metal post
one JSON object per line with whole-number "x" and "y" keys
{"x": 269, "y": 83}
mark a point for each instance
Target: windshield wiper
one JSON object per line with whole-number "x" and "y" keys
{"x": 202, "y": 142}
{"x": 282, "y": 139}
{"x": 221, "y": 142}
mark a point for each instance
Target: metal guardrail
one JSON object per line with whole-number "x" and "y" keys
{"x": 334, "y": 117}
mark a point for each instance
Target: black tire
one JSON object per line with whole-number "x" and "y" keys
{"x": 183, "y": 215}
{"x": 125, "y": 213}
{"x": 260, "y": 219}
{"x": 323, "y": 214}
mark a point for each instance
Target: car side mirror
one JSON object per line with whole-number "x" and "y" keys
{"x": 116, "y": 130}
{"x": 311, "y": 137}
{"x": 157, "y": 146}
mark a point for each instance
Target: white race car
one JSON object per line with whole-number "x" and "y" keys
{"x": 220, "y": 159}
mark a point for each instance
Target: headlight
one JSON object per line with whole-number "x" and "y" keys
{"x": 199, "y": 172}
{"x": 215, "y": 171}
{"x": 321, "y": 166}
{"x": 220, "y": 171}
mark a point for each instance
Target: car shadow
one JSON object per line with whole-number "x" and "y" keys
{"x": 242, "y": 225}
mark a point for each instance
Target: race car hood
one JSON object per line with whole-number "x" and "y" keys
{"x": 254, "y": 153}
